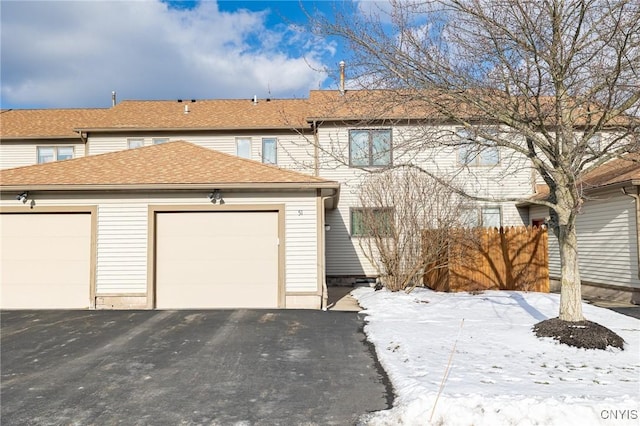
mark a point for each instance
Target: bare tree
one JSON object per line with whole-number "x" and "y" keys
{"x": 546, "y": 78}
{"x": 391, "y": 224}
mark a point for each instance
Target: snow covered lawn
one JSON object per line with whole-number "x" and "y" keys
{"x": 500, "y": 373}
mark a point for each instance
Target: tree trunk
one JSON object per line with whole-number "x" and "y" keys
{"x": 570, "y": 291}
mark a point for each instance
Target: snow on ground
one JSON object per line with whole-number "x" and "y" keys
{"x": 500, "y": 372}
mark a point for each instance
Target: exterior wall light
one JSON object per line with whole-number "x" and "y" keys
{"x": 216, "y": 197}
{"x": 22, "y": 197}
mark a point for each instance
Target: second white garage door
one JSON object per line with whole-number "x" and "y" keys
{"x": 216, "y": 260}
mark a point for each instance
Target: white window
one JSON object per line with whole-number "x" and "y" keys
{"x": 135, "y": 143}
{"x": 486, "y": 216}
{"x": 64, "y": 153}
{"x": 491, "y": 217}
{"x": 269, "y": 150}
{"x": 370, "y": 148}
{"x": 243, "y": 147}
{"x": 476, "y": 152}
{"x": 370, "y": 221}
{"x": 47, "y": 154}
{"x": 594, "y": 143}
{"x": 158, "y": 141}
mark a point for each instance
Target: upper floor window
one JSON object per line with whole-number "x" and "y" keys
{"x": 474, "y": 151}
{"x": 135, "y": 143}
{"x": 269, "y": 150}
{"x": 47, "y": 154}
{"x": 243, "y": 147}
{"x": 158, "y": 141}
{"x": 594, "y": 143}
{"x": 370, "y": 148}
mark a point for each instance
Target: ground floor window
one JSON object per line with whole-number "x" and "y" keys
{"x": 485, "y": 216}
{"x": 369, "y": 222}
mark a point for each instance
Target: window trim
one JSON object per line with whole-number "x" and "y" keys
{"x": 477, "y": 155}
{"x": 275, "y": 142}
{"x": 370, "y": 146}
{"x": 243, "y": 138}
{"x": 354, "y": 210}
{"x": 129, "y": 140}
{"x": 56, "y": 154}
{"x": 480, "y": 217}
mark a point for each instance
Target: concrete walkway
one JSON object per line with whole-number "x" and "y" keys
{"x": 340, "y": 299}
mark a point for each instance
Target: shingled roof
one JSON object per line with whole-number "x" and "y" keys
{"x": 215, "y": 114}
{"x": 621, "y": 171}
{"x": 170, "y": 165}
{"x": 47, "y": 123}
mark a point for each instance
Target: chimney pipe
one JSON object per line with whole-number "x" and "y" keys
{"x": 342, "y": 77}
{"x": 113, "y": 98}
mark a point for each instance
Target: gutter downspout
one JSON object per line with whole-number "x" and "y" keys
{"x": 316, "y": 150}
{"x": 83, "y": 137}
{"x": 323, "y": 260}
{"x": 636, "y": 197}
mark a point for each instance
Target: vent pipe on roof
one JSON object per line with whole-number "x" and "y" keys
{"x": 113, "y": 98}
{"x": 342, "y": 64}
{"x": 255, "y": 99}
{"x": 186, "y": 108}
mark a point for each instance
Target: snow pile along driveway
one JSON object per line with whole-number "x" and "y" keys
{"x": 500, "y": 373}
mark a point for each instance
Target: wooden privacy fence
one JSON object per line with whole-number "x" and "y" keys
{"x": 512, "y": 258}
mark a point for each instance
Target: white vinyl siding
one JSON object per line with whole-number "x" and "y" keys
{"x": 122, "y": 235}
{"x": 510, "y": 178}
{"x": 122, "y": 247}
{"x": 607, "y": 248}
{"x": 18, "y": 154}
{"x": 294, "y": 150}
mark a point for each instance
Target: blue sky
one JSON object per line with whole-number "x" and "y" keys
{"x": 58, "y": 54}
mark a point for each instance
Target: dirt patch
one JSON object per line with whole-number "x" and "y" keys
{"x": 580, "y": 334}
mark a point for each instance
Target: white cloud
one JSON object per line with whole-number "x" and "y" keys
{"x": 57, "y": 54}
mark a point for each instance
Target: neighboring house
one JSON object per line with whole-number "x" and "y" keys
{"x": 43, "y": 135}
{"x": 167, "y": 226}
{"x": 608, "y": 232}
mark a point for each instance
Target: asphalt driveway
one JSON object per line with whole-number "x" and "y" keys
{"x": 187, "y": 367}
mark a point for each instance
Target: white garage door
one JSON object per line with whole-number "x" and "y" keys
{"x": 45, "y": 260}
{"x": 216, "y": 260}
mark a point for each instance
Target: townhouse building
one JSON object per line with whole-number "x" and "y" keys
{"x": 143, "y": 180}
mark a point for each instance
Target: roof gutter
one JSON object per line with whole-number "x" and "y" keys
{"x": 636, "y": 197}
{"x": 185, "y": 129}
{"x": 30, "y": 138}
{"x": 160, "y": 187}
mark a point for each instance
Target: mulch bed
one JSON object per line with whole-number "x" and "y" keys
{"x": 581, "y": 334}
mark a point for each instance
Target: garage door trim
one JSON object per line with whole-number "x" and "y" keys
{"x": 154, "y": 209}
{"x": 92, "y": 210}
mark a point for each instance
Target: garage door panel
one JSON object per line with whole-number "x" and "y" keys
{"x": 217, "y": 259}
{"x": 46, "y": 261}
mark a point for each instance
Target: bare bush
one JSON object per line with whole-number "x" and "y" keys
{"x": 397, "y": 206}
